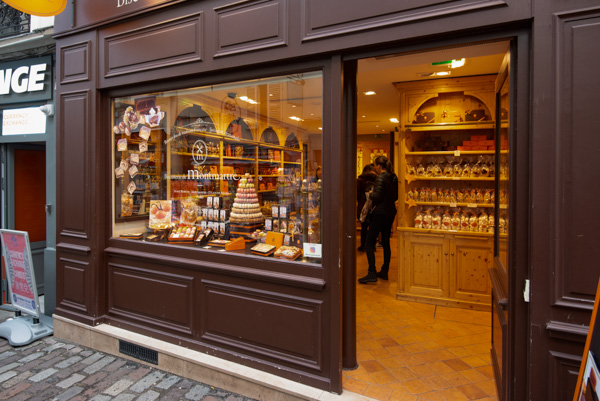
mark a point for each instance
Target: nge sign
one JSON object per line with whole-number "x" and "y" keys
{"x": 27, "y": 80}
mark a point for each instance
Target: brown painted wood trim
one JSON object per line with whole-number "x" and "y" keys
{"x": 567, "y": 331}
{"x": 349, "y": 360}
{"x": 500, "y": 295}
{"x": 84, "y": 319}
{"x": 84, "y": 250}
{"x": 269, "y": 276}
{"x": 312, "y": 32}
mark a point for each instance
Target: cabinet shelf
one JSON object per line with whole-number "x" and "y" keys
{"x": 294, "y": 163}
{"x": 249, "y": 159}
{"x": 450, "y": 126}
{"x": 455, "y": 153}
{"x": 449, "y": 179}
{"x": 471, "y": 205}
{"x": 191, "y": 154}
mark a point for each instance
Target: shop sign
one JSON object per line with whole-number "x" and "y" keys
{"x": 93, "y": 11}
{"x": 19, "y": 271}
{"x": 27, "y": 80}
{"x": 29, "y": 120}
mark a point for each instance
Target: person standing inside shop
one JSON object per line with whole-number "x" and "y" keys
{"x": 383, "y": 198}
{"x": 364, "y": 184}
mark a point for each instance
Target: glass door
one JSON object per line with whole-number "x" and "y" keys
{"x": 499, "y": 272}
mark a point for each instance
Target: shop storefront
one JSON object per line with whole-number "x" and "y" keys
{"x": 27, "y": 154}
{"x": 207, "y": 154}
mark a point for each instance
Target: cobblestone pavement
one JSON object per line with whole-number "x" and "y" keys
{"x": 52, "y": 369}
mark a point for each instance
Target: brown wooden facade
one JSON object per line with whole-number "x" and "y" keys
{"x": 208, "y": 301}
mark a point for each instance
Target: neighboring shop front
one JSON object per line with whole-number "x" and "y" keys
{"x": 206, "y": 162}
{"x": 27, "y": 148}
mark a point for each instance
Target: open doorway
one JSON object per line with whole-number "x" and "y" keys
{"x": 426, "y": 331}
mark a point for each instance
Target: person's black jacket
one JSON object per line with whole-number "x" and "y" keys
{"x": 364, "y": 183}
{"x": 385, "y": 194}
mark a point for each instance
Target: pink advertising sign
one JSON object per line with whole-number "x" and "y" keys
{"x": 19, "y": 270}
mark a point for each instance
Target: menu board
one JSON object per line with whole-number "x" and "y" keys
{"x": 19, "y": 271}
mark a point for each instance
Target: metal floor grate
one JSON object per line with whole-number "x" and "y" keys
{"x": 138, "y": 352}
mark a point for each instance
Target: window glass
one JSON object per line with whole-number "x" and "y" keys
{"x": 233, "y": 167}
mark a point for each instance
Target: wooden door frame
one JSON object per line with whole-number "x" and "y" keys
{"x": 518, "y": 330}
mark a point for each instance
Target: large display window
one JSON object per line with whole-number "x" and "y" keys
{"x": 232, "y": 167}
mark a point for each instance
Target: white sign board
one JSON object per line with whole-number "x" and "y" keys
{"x": 29, "y": 120}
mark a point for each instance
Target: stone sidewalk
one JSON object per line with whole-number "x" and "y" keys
{"x": 51, "y": 369}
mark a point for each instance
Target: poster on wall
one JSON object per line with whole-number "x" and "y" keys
{"x": 375, "y": 153}
{"x": 19, "y": 271}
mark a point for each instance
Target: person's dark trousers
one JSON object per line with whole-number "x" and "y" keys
{"x": 364, "y": 231}
{"x": 379, "y": 224}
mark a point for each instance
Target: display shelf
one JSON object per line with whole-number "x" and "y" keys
{"x": 456, "y": 153}
{"x": 411, "y": 179}
{"x": 468, "y": 125}
{"x": 452, "y": 205}
{"x": 461, "y": 116}
{"x": 249, "y": 159}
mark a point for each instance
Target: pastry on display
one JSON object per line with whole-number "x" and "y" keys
{"x": 183, "y": 234}
{"x": 245, "y": 215}
{"x": 263, "y": 249}
{"x": 288, "y": 252}
{"x": 132, "y": 235}
{"x": 219, "y": 242}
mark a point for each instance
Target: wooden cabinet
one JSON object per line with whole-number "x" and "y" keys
{"x": 447, "y": 196}
{"x": 445, "y": 269}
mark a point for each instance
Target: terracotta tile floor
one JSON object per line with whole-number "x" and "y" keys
{"x": 415, "y": 352}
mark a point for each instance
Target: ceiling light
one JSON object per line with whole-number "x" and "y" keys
{"x": 454, "y": 63}
{"x": 370, "y": 93}
{"x": 247, "y": 100}
{"x": 394, "y": 120}
{"x": 442, "y": 73}
{"x": 457, "y": 63}
{"x": 296, "y": 118}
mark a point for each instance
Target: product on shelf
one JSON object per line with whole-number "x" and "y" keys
{"x": 263, "y": 249}
{"x": 160, "y": 214}
{"x": 132, "y": 235}
{"x": 182, "y": 234}
{"x": 288, "y": 252}
{"x": 246, "y": 214}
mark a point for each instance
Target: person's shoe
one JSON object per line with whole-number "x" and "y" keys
{"x": 361, "y": 249}
{"x": 369, "y": 278}
{"x": 383, "y": 276}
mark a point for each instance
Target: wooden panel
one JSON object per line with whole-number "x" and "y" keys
{"x": 75, "y": 63}
{"x": 73, "y": 183}
{"x": 327, "y": 18}
{"x": 427, "y": 266}
{"x": 251, "y": 26}
{"x": 88, "y": 12}
{"x": 469, "y": 277}
{"x": 564, "y": 372}
{"x": 266, "y": 323}
{"x": 577, "y": 152}
{"x": 133, "y": 291}
{"x": 165, "y": 44}
{"x": 73, "y": 289}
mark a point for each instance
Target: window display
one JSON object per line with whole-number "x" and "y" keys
{"x": 232, "y": 167}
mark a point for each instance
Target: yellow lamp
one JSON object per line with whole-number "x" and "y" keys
{"x": 41, "y": 8}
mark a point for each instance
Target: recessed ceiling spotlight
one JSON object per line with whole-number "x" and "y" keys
{"x": 394, "y": 120}
{"x": 370, "y": 93}
{"x": 296, "y": 118}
